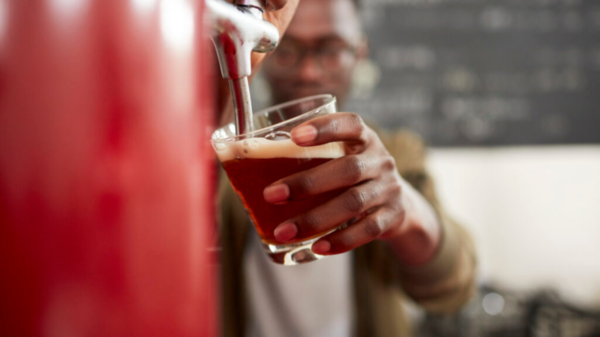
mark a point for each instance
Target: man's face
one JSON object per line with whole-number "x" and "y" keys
{"x": 318, "y": 53}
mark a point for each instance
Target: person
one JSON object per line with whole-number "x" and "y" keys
{"x": 403, "y": 243}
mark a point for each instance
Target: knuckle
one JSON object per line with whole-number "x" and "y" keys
{"x": 374, "y": 227}
{"x": 333, "y": 126}
{"x": 356, "y": 168}
{"x": 357, "y": 200}
{"x": 346, "y": 242}
{"x": 357, "y": 121}
{"x": 358, "y": 124}
{"x": 308, "y": 222}
{"x": 305, "y": 184}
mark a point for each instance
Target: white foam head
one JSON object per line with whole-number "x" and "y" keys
{"x": 261, "y": 148}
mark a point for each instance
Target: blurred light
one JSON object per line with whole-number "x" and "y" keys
{"x": 496, "y": 18}
{"x": 177, "y": 23}
{"x": 143, "y": 5}
{"x": 3, "y": 17}
{"x": 477, "y": 128}
{"x": 68, "y": 7}
{"x": 410, "y": 100}
{"x": 366, "y": 76}
{"x": 460, "y": 80}
{"x": 493, "y": 304}
{"x": 418, "y": 57}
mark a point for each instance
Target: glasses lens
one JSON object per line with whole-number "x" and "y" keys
{"x": 286, "y": 55}
{"x": 329, "y": 57}
{"x": 333, "y": 57}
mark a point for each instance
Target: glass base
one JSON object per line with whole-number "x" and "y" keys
{"x": 292, "y": 254}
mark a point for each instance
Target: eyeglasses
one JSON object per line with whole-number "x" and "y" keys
{"x": 331, "y": 57}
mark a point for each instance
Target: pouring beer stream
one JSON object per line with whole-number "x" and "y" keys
{"x": 237, "y": 31}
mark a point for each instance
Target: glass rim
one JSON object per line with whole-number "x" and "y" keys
{"x": 330, "y": 100}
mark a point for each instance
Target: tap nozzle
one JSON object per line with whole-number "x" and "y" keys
{"x": 237, "y": 30}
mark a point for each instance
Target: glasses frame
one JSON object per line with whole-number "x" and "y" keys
{"x": 316, "y": 53}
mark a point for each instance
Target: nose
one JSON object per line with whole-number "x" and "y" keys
{"x": 309, "y": 69}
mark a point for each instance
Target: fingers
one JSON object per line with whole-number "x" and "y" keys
{"x": 362, "y": 232}
{"x": 345, "y": 127}
{"x": 342, "y": 172}
{"x": 339, "y": 173}
{"x": 336, "y": 211}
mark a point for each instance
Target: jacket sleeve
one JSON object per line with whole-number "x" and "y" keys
{"x": 446, "y": 282}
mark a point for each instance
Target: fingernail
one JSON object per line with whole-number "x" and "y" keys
{"x": 304, "y": 134}
{"x": 321, "y": 247}
{"x": 276, "y": 193}
{"x": 285, "y": 232}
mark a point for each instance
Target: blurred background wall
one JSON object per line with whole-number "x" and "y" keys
{"x": 484, "y": 72}
{"x": 507, "y": 94}
{"x": 534, "y": 213}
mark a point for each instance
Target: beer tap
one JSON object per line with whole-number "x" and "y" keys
{"x": 237, "y": 30}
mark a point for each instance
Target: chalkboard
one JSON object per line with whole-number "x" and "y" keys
{"x": 485, "y": 72}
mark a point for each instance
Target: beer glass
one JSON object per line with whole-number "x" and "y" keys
{"x": 257, "y": 159}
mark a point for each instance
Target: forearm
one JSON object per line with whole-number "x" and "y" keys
{"x": 436, "y": 265}
{"x": 447, "y": 281}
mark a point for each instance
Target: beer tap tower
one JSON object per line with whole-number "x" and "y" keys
{"x": 106, "y": 174}
{"x": 237, "y": 31}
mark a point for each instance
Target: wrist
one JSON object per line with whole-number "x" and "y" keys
{"x": 417, "y": 237}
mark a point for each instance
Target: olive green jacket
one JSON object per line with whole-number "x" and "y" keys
{"x": 380, "y": 280}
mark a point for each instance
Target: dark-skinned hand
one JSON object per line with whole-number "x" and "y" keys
{"x": 383, "y": 205}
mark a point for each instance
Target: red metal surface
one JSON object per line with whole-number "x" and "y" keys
{"x": 106, "y": 209}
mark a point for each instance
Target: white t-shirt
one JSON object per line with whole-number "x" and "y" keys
{"x": 309, "y": 300}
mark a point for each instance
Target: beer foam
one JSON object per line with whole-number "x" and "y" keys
{"x": 261, "y": 148}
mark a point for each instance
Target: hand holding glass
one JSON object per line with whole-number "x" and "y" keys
{"x": 255, "y": 160}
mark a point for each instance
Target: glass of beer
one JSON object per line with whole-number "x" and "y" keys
{"x": 257, "y": 159}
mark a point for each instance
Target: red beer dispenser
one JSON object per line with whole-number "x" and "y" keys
{"x": 106, "y": 175}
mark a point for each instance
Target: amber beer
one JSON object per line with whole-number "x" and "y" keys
{"x": 254, "y": 164}
{"x": 258, "y": 158}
